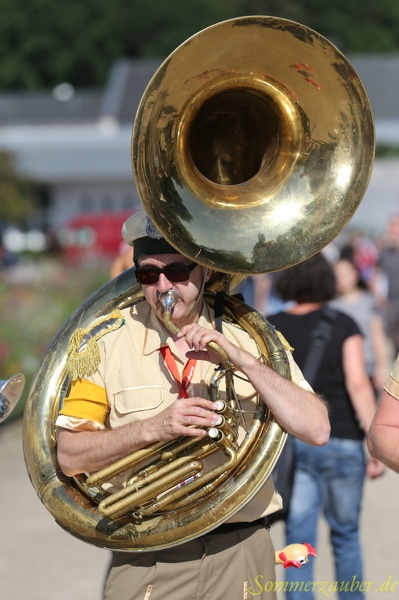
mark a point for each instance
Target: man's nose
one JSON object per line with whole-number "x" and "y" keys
{"x": 163, "y": 283}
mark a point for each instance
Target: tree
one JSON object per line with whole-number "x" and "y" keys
{"x": 17, "y": 197}
{"x": 44, "y": 43}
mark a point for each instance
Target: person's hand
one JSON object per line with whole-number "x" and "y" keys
{"x": 374, "y": 468}
{"x": 198, "y": 338}
{"x": 183, "y": 417}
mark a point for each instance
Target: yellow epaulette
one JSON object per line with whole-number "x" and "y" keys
{"x": 284, "y": 342}
{"x": 83, "y": 355}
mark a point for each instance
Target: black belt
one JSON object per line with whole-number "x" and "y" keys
{"x": 227, "y": 527}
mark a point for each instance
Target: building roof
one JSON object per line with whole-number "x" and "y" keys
{"x": 43, "y": 108}
{"x": 380, "y": 77}
{"x": 126, "y": 85}
{"x": 86, "y": 134}
{"x": 128, "y": 79}
{"x": 64, "y": 105}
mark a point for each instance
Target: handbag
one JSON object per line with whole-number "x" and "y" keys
{"x": 283, "y": 472}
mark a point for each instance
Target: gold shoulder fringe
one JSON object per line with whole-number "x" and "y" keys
{"x": 83, "y": 355}
{"x": 284, "y": 341}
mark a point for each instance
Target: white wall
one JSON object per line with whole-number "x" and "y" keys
{"x": 69, "y": 199}
{"x": 381, "y": 200}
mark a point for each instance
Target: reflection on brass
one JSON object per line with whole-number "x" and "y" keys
{"x": 253, "y": 145}
{"x": 252, "y": 148}
{"x": 10, "y": 393}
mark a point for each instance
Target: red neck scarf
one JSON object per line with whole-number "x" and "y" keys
{"x": 188, "y": 370}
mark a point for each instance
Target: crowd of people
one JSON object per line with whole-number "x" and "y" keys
{"x": 367, "y": 272}
{"x": 358, "y": 280}
{"x": 328, "y": 480}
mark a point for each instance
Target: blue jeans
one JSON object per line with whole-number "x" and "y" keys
{"x": 328, "y": 479}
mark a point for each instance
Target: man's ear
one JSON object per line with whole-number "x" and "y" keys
{"x": 208, "y": 275}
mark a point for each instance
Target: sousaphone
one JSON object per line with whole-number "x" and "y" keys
{"x": 252, "y": 147}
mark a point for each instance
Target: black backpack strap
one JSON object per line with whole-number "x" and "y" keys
{"x": 320, "y": 337}
{"x": 219, "y": 309}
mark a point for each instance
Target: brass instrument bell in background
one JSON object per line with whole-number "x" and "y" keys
{"x": 10, "y": 393}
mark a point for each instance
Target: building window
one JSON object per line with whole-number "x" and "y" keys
{"x": 107, "y": 203}
{"x": 86, "y": 204}
{"x": 127, "y": 202}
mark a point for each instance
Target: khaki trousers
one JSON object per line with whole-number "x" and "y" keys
{"x": 213, "y": 567}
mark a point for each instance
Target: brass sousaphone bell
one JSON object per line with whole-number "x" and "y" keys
{"x": 252, "y": 147}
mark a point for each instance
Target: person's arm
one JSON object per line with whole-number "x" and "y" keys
{"x": 299, "y": 411}
{"x": 262, "y": 285}
{"x": 357, "y": 381}
{"x": 380, "y": 351}
{"x": 360, "y": 391}
{"x": 122, "y": 262}
{"x": 383, "y": 436}
{"x": 86, "y": 451}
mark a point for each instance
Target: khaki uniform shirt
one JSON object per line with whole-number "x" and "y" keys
{"x": 138, "y": 384}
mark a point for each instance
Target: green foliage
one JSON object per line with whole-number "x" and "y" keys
{"x": 44, "y": 43}
{"x": 383, "y": 151}
{"x": 36, "y": 299}
{"x": 358, "y": 26}
{"x": 157, "y": 28}
{"x": 17, "y": 197}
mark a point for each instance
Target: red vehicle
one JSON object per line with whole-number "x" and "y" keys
{"x": 92, "y": 236}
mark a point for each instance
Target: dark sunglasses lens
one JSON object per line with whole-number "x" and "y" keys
{"x": 177, "y": 274}
{"x": 147, "y": 276}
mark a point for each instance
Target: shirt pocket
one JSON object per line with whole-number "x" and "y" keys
{"x": 138, "y": 399}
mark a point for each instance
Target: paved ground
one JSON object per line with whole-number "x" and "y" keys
{"x": 39, "y": 561}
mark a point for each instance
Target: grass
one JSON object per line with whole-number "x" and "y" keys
{"x": 36, "y": 298}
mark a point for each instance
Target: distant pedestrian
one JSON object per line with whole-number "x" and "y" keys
{"x": 355, "y": 299}
{"x": 330, "y": 479}
{"x": 383, "y": 436}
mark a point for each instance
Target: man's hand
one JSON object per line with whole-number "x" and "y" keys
{"x": 297, "y": 409}
{"x": 198, "y": 338}
{"x": 374, "y": 468}
{"x": 183, "y": 417}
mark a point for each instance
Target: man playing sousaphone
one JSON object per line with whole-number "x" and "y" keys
{"x": 140, "y": 383}
{"x": 276, "y": 149}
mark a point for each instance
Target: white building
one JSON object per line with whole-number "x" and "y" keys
{"x": 76, "y": 145}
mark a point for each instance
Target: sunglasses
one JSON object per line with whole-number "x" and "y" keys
{"x": 174, "y": 273}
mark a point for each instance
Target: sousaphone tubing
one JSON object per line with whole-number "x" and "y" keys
{"x": 252, "y": 147}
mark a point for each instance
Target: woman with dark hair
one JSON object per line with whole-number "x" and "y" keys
{"x": 328, "y": 479}
{"x": 355, "y": 299}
